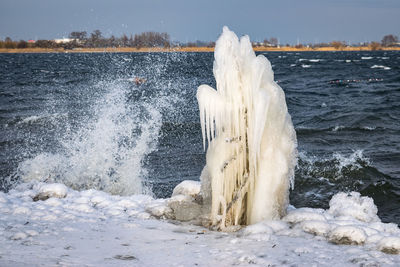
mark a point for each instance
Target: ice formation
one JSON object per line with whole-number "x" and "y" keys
{"x": 252, "y": 142}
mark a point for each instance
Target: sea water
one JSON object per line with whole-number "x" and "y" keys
{"x": 81, "y": 120}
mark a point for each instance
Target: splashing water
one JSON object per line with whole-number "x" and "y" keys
{"x": 108, "y": 153}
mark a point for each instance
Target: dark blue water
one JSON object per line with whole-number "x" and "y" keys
{"x": 81, "y": 120}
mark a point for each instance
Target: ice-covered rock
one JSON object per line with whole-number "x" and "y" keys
{"x": 347, "y": 235}
{"x": 390, "y": 245}
{"x": 159, "y": 209}
{"x": 18, "y": 236}
{"x": 185, "y": 203}
{"x": 303, "y": 214}
{"x": 319, "y": 228}
{"x": 184, "y": 208}
{"x": 355, "y": 206}
{"x": 46, "y": 191}
{"x": 187, "y": 188}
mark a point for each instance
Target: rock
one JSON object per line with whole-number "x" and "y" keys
{"x": 125, "y": 257}
{"x": 184, "y": 208}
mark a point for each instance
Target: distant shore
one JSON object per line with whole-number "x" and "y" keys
{"x": 187, "y": 49}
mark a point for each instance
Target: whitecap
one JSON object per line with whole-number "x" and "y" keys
{"x": 380, "y": 67}
{"x": 366, "y": 58}
{"x": 369, "y": 128}
{"x": 31, "y": 119}
{"x": 37, "y": 118}
{"x": 337, "y": 128}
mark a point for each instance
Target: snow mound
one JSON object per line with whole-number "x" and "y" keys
{"x": 258, "y": 228}
{"x": 259, "y": 231}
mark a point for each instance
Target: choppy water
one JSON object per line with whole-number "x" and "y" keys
{"x": 81, "y": 120}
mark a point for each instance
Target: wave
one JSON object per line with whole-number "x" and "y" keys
{"x": 337, "y": 170}
{"x": 41, "y": 118}
{"x": 337, "y": 128}
{"x": 310, "y": 59}
{"x": 336, "y": 161}
{"x": 319, "y": 178}
{"x": 380, "y": 67}
{"x": 361, "y": 128}
{"x": 348, "y": 81}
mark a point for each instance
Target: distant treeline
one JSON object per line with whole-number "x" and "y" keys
{"x": 80, "y": 39}
{"x": 95, "y": 40}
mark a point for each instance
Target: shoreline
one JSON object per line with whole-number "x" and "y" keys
{"x": 183, "y": 49}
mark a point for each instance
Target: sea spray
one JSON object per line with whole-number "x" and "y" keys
{"x": 252, "y": 143}
{"x": 108, "y": 152}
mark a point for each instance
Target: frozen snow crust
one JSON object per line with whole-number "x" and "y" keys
{"x": 94, "y": 227}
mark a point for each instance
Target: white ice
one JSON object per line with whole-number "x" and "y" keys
{"x": 252, "y": 143}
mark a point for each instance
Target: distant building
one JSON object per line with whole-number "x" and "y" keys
{"x": 31, "y": 41}
{"x": 64, "y": 40}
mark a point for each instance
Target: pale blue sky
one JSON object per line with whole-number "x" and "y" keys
{"x": 309, "y": 20}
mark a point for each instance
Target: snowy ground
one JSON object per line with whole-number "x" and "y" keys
{"x": 92, "y": 228}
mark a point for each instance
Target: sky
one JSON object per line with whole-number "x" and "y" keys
{"x": 306, "y": 21}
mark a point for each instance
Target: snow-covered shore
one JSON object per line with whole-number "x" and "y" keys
{"x": 42, "y": 224}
